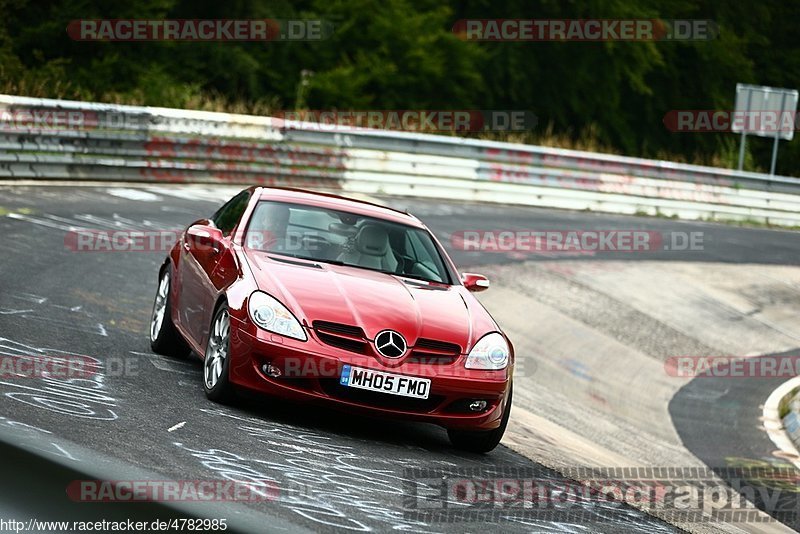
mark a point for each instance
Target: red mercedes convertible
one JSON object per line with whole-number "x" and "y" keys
{"x": 317, "y": 297}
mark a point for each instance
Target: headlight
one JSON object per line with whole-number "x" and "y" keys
{"x": 273, "y": 316}
{"x": 490, "y": 353}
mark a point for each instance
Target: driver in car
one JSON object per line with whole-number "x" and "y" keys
{"x": 269, "y": 231}
{"x": 371, "y": 249}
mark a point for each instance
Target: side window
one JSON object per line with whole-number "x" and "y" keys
{"x": 229, "y": 214}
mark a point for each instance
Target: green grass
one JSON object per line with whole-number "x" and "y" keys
{"x": 784, "y": 406}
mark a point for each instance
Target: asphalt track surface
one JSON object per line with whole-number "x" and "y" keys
{"x": 726, "y": 437}
{"x": 333, "y": 471}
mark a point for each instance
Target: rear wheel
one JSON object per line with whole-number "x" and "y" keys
{"x": 217, "y": 361}
{"x": 485, "y": 440}
{"x": 164, "y": 337}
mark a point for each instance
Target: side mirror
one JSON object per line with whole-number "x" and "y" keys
{"x": 204, "y": 238}
{"x": 475, "y": 282}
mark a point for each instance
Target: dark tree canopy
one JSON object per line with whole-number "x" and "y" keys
{"x": 398, "y": 54}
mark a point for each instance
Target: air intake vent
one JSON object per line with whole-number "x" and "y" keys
{"x": 431, "y": 345}
{"x": 430, "y": 351}
{"x": 342, "y": 336}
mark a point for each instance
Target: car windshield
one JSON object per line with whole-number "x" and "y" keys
{"x": 344, "y": 238}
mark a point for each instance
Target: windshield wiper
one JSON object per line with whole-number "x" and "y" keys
{"x": 414, "y": 277}
{"x": 393, "y": 273}
{"x": 337, "y": 262}
{"x": 287, "y": 255}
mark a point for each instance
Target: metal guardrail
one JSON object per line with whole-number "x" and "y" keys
{"x": 56, "y": 139}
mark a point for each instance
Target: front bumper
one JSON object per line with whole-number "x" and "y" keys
{"x": 310, "y": 371}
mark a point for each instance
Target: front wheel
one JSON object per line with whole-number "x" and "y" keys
{"x": 482, "y": 440}
{"x": 217, "y": 361}
{"x": 164, "y": 337}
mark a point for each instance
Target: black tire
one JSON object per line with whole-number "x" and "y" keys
{"x": 165, "y": 338}
{"x": 482, "y": 441}
{"x": 220, "y": 389}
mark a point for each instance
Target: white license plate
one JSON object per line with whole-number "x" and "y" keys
{"x": 406, "y": 386}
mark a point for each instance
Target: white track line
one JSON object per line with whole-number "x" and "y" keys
{"x": 176, "y": 427}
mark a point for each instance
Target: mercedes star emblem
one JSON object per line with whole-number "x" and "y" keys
{"x": 390, "y": 344}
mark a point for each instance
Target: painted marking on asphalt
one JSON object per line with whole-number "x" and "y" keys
{"x": 24, "y": 426}
{"x": 129, "y": 222}
{"x": 9, "y": 311}
{"x": 75, "y": 398}
{"x": 69, "y": 324}
{"x": 134, "y": 194}
{"x": 348, "y": 485}
{"x": 43, "y": 222}
{"x": 577, "y": 368}
{"x": 30, "y": 297}
{"x": 162, "y": 364}
{"x": 176, "y": 427}
{"x": 62, "y": 452}
{"x": 58, "y": 219}
{"x": 69, "y": 308}
{"x": 103, "y": 221}
{"x": 215, "y": 194}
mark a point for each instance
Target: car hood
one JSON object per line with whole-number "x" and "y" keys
{"x": 372, "y": 300}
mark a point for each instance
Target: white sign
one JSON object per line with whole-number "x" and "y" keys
{"x": 765, "y": 111}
